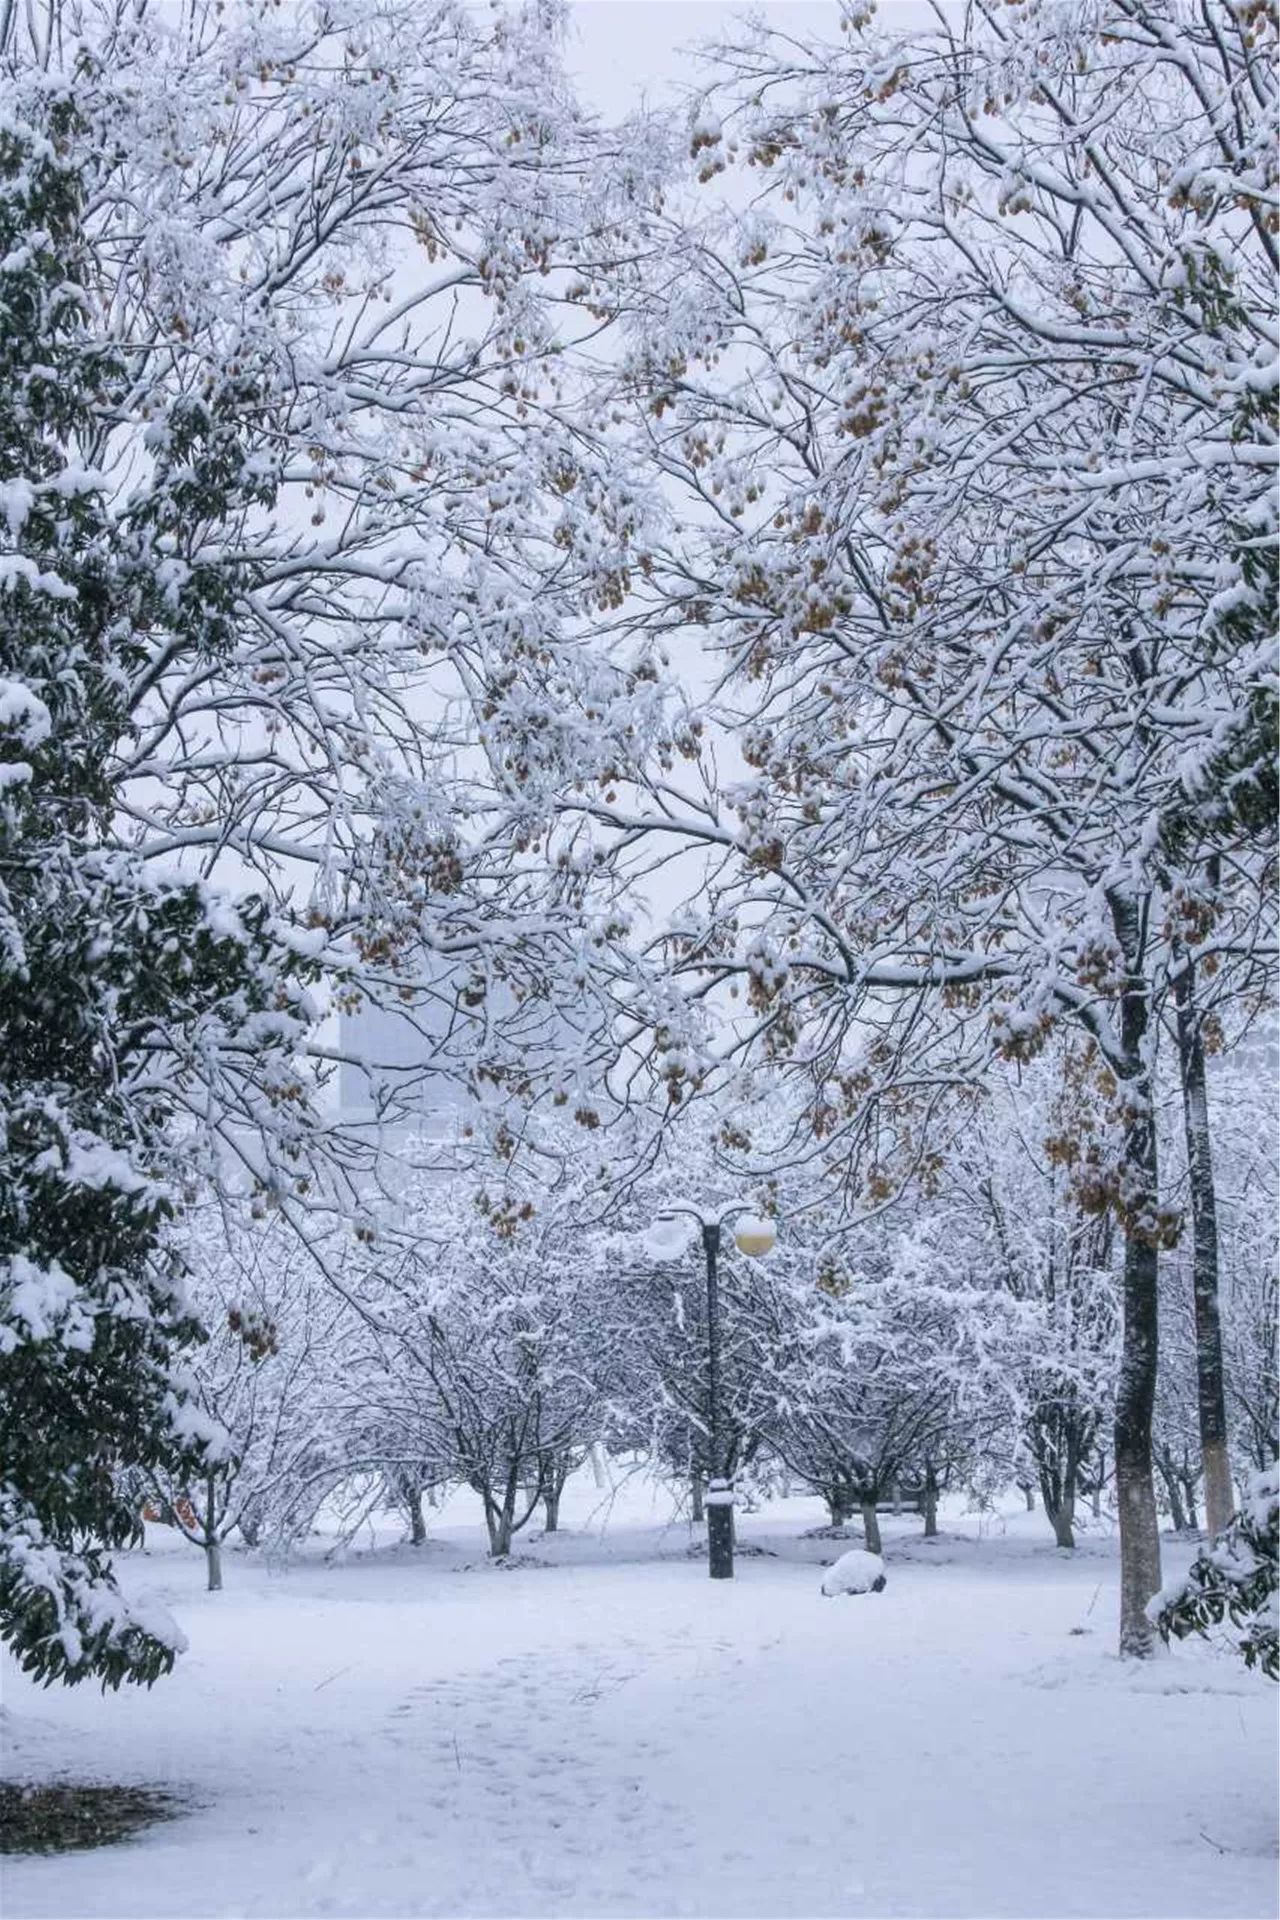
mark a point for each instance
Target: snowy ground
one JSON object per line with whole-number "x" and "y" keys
{"x": 604, "y": 1731}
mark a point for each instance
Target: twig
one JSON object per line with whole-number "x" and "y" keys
{"x": 333, "y": 1676}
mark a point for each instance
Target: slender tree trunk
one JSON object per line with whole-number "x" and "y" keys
{"x": 696, "y": 1491}
{"x": 1211, "y": 1393}
{"x": 836, "y": 1508}
{"x": 1138, "y": 1205}
{"x": 212, "y": 1544}
{"x": 930, "y": 1502}
{"x": 417, "y": 1522}
{"x": 871, "y": 1526}
{"x": 1029, "y": 1494}
{"x": 1168, "y": 1473}
{"x": 1189, "y": 1494}
{"x": 1095, "y": 1498}
{"x": 551, "y": 1507}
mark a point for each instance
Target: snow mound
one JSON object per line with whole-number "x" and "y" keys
{"x": 855, "y": 1572}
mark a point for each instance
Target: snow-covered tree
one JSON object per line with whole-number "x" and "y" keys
{"x": 337, "y": 243}
{"x": 479, "y": 1358}
{"x": 969, "y": 412}
{"x": 128, "y": 997}
{"x": 263, "y": 1376}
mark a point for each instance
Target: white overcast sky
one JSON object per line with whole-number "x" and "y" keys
{"x": 622, "y": 51}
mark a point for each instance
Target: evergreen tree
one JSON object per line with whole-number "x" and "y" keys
{"x": 1232, "y": 1582}
{"x": 127, "y": 999}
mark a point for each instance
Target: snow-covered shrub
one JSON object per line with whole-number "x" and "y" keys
{"x": 1234, "y": 1580}
{"x": 855, "y": 1572}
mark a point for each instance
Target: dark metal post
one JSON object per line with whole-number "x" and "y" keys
{"x": 720, "y": 1490}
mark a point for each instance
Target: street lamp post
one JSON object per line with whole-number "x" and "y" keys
{"x": 753, "y": 1236}
{"x": 719, "y": 1483}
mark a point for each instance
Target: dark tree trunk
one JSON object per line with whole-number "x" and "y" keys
{"x": 837, "y": 1506}
{"x": 871, "y": 1526}
{"x": 1138, "y": 1205}
{"x": 1189, "y": 1494}
{"x": 1168, "y": 1473}
{"x": 498, "y": 1520}
{"x": 1060, "y": 1477}
{"x": 551, "y": 1507}
{"x": 1211, "y": 1393}
{"x": 1029, "y": 1493}
{"x": 1175, "y": 1500}
{"x": 212, "y": 1544}
{"x": 699, "y": 1510}
{"x": 930, "y": 1502}
{"x": 417, "y": 1522}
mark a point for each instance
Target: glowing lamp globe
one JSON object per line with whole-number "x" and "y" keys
{"x": 754, "y": 1235}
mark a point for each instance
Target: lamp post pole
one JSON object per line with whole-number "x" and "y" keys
{"x": 720, "y": 1487}
{"x": 753, "y": 1236}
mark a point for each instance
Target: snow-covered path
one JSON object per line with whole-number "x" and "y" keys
{"x": 419, "y": 1733}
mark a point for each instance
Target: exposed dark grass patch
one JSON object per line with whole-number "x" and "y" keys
{"x": 58, "y": 1816}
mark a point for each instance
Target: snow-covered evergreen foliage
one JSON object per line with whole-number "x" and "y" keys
{"x": 126, "y": 996}
{"x": 1233, "y": 1581}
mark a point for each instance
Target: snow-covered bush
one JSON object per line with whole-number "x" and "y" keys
{"x": 854, "y": 1572}
{"x": 1233, "y": 1582}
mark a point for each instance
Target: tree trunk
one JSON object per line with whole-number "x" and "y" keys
{"x": 212, "y": 1543}
{"x": 551, "y": 1507}
{"x": 417, "y": 1523}
{"x": 930, "y": 1502}
{"x": 500, "y": 1522}
{"x": 871, "y": 1526}
{"x": 1138, "y": 1205}
{"x": 1059, "y": 1483}
{"x": 1062, "y": 1520}
{"x": 699, "y": 1510}
{"x": 1168, "y": 1474}
{"x": 1029, "y": 1493}
{"x": 837, "y": 1508}
{"x": 1189, "y": 1494}
{"x": 499, "y": 1525}
{"x": 1211, "y": 1393}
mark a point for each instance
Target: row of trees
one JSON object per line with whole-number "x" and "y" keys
{"x": 505, "y": 1320}
{"x": 438, "y": 533}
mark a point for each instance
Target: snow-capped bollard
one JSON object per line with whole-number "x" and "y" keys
{"x": 855, "y": 1572}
